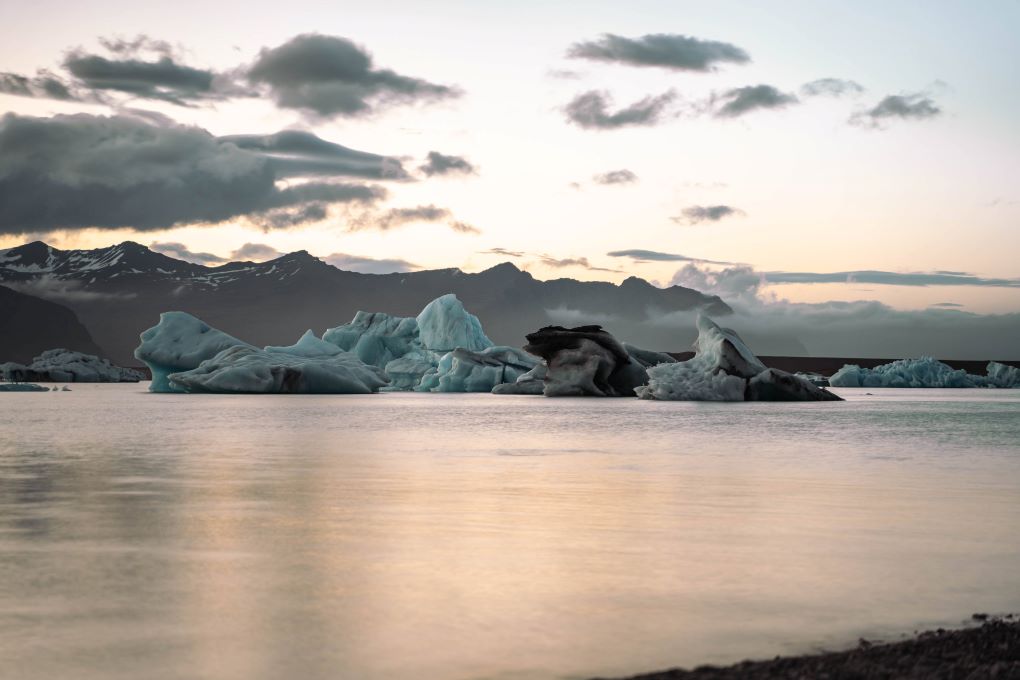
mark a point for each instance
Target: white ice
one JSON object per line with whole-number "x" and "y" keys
{"x": 180, "y": 342}
{"x": 725, "y": 369}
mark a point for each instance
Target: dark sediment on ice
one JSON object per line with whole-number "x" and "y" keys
{"x": 991, "y": 650}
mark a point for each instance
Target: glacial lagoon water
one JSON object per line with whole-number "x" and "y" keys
{"x": 474, "y": 536}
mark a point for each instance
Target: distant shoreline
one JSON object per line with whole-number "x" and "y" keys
{"x": 991, "y": 650}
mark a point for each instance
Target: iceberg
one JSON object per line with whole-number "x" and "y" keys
{"x": 725, "y": 369}
{"x": 63, "y": 365}
{"x": 924, "y": 372}
{"x": 308, "y": 345}
{"x": 465, "y": 371}
{"x": 246, "y": 370}
{"x": 23, "y": 387}
{"x": 444, "y": 325}
{"x": 376, "y": 338}
{"x": 585, "y": 361}
{"x": 180, "y": 342}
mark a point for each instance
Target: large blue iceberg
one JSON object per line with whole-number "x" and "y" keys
{"x": 725, "y": 369}
{"x": 443, "y": 349}
{"x": 924, "y": 372}
{"x": 180, "y": 342}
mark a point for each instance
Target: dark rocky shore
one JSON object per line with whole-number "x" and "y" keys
{"x": 990, "y": 650}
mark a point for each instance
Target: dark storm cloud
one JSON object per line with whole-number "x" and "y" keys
{"x": 832, "y": 87}
{"x": 623, "y": 176}
{"x": 639, "y": 255}
{"x": 370, "y": 265}
{"x": 293, "y": 153}
{"x": 329, "y": 76}
{"x": 42, "y": 85}
{"x": 441, "y": 164}
{"x": 399, "y": 217}
{"x": 78, "y": 171}
{"x": 696, "y": 214}
{"x": 937, "y": 278}
{"x": 741, "y": 100}
{"x": 916, "y": 106}
{"x": 285, "y": 218}
{"x": 590, "y": 110}
{"x": 164, "y": 79}
{"x": 664, "y": 50}
{"x": 182, "y": 252}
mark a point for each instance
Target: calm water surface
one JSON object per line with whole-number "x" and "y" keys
{"x": 474, "y": 536}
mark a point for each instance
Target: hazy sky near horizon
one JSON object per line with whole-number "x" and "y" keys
{"x": 560, "y": 145}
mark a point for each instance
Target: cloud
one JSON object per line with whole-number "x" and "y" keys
{"x": 80, "y": 171}
{"x": 295, "y": 153}
{"x": 664, "y": 50}
{"x": 398, "y": 217}
{"x": 328, "y": 77}
{"x": 741, "y": 100}
{"x": 441, "y": 164}
{"x": 860, "y": 328}
{"x": 696, "y": 214}
{"x": 946, "y": 304}
{"x": 639, "y": 255}
{"x": 370, "y": 265}
{"x": 559, "y": 263}
{"x": 831, "y": 87}
{"x": 164, "y": 79}
{"x": 63, "y": 290}
{"x": 564, "y": 74}
{"x": 590, "y": 110}
{"x": 503, "y": 252}
{"x": 623, "y": 176}
{"x": 182, "y": 252}
{"x": 255, "y": 252}
{"x": 916, "y": 106}
{"x": 937, "y": 278}
{"x": 286, "y": 218}
{"x": 43, "y": 85}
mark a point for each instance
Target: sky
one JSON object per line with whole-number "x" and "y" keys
{"x": 798, "y": 152}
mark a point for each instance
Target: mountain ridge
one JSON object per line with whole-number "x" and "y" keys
{"x": 118, "y": 291}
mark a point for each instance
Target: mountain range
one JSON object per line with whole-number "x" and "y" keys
{"x": 119, "y": 291}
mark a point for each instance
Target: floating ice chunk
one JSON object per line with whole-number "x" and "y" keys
{"x": 308, "y": 346}
{"x": 532, "y": 382}
{"x": 444, "y": 325}
{"x": 923, "y": 372}
{"x": 465, "y": 371}
{"x": 648, "y": 358}
{"x": 62, "y": 365}
{"x": 246, "y": 370}
{"x": 724, "y": 369}
{"x": 1001, "y": 375}
{"x": 180, "y": 342}
{"x": 22, "y": 387}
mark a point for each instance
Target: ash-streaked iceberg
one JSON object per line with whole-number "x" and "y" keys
{"x": 64, "y": 365}
{"x": 924, "y": 372}
{"x": 246, "y": 370}
{"x": 725, "y": 369}
{"x": 532, "y": 382}
{"x": 584, "y": 361}
{"x": 180, "y": 342}
{"x": 465, "y": 371}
